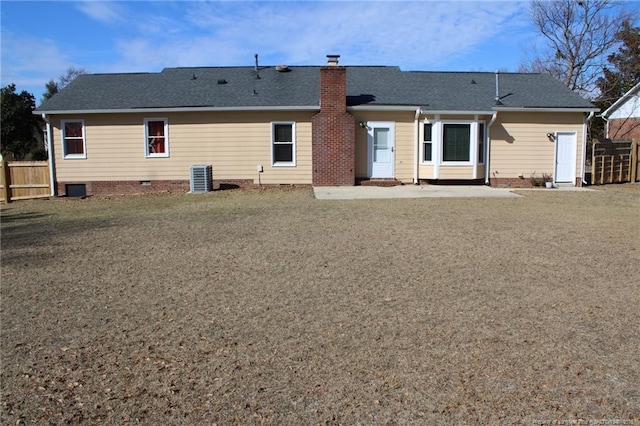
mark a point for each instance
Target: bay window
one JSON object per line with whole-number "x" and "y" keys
{"x": 456, "y": 142}
{"x": 427, "y": 143}
{"x": 482, "y": 136}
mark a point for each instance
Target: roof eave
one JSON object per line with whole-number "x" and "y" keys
{"x": 546, "y": 109}
{"x": 607, "y": 112}
{"x": 383, "y": 107}
{"x": 456, "y": 112}
{"x": 177, "y": 109}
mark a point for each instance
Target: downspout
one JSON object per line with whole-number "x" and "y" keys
{"x": 606, "y": 127}
{"x": 584, "y": 145}
{"x": 488, "y": 148}
{"x": 52, "y": 174}
{"x": 416, "y": 148}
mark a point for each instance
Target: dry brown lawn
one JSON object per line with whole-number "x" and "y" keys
{"x": 271, "y": 307}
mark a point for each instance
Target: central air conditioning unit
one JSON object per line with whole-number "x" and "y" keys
{"x": 200, "y": 176}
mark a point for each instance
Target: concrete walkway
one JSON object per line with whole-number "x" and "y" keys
{"x": 422, "y": 191}
{"x": 408, "y": 191}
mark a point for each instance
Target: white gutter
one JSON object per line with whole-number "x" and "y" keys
{"x": 606, "y": 127}
{"x": 216, "y": 109}
{"x": 181, "y": 109}
{"x": 52, "y": 174}
{"x": 531, "y": 109}
{"x": 488, "y": 148}
{"x": 584, "y": 145}
{"x": 457, "y": 112}
{"x": 416, "y": 150}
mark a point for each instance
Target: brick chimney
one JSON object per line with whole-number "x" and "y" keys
{"x": 334, "y": 130}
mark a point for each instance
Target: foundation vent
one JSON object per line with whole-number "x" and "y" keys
{"x": 201, "y": 178}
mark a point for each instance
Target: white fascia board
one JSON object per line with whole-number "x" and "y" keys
{"x": 179, "y": 109}
{"x": 620, "y": 101}
{"x": 512, "y": 109}
{"x": 455, "y": 112}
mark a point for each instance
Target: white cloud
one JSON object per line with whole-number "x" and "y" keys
{"x": 107, "y": 12}
{"x": 148, "y": 36}
{"x": 30, "y": 62}
{"x": 414, "y": 34}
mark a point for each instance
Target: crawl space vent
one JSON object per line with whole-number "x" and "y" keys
{"x": 200, "y": 178}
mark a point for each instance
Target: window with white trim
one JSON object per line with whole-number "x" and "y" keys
{"x": 156, "y": 137}
{"x": 73, "y": 139}
{"x": 427, "y": 143}
{"x": 482, "y": 137}
{"x": 456, "y": 143}
{"x": 283, "y": 144}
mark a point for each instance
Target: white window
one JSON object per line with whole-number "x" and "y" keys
{"x": 156, "y": 137}
{"x": 456, "y": 142}
{"x": 463, "y": 143}
{"x": 427, "y": 143}
{"x": 482, "y": 137}
{"x": 283, "y": 144}
{"x": 73, "y": 139}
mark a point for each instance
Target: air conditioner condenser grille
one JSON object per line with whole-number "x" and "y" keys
{"x": 200, "y": 178}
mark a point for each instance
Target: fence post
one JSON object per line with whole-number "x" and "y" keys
{"x": 6, "y": 180}
{"x": 593, "y": 161}
{"x": 634, "y": 160}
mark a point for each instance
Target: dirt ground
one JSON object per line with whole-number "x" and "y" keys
{"x": 271, "y": 307}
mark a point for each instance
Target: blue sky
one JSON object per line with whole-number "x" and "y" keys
{"x": 40, "y": 40}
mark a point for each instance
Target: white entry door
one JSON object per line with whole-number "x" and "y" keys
{"x": 381, "y": 149}
{"x": 566, "y": 157}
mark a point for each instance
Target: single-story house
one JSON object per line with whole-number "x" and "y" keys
{"x": 623, "y": 117}
{"x": 312, "y": 125}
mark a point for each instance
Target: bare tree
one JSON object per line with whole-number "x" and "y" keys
{"x": 578, "y": 36}
{"x": 71, "y": 74}
{"x": 54, "y": 87}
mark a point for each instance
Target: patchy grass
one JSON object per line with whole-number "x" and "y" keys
{"x": 271, "y": 307}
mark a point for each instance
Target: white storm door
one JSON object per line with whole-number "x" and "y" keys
{"x": 381, "y": 150}
{"x": 566, "y": 157}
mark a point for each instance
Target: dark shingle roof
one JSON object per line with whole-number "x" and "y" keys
{"x": 239, "y": 87}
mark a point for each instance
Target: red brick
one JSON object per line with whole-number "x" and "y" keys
{"x": 627, "y": 128}
{"x": 334, "y": 131}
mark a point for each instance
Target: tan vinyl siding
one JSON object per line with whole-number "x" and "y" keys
{"x": 520, "y": 146}
{"x": 456, "y": 172}
{"x": 233, "y": 143}
{"x": 404, "y": 142}
{"x": 361, "y": 150}
{"x": 426, "y": 171}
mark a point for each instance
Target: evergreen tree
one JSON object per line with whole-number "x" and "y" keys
{"x": 20, "y": 128}
{"x": 624, "y": 70}
{"x": 621, "y": 75}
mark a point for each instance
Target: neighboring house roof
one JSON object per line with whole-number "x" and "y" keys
{"x": 630, "y": 95}
{"x": 229, "y": 88}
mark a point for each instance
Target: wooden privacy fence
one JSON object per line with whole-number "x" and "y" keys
{"x": 615, "y": 162}
{"x": 22, "y": 180}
